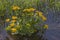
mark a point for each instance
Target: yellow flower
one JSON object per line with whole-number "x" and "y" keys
{"x": 15, "y": 7}
{"x": 14, "y": 17}
{"x": 13, "y": 30}
{"x": 32, "y": 9}
{"x": 45, "y": 26}
{"x": 44, "y": 18}
{"x": 39, "y": 13}
{"x": 7, "y": 20}
{"x": 26, "y": 10}
{"x": 12, "y": 24}
{"x": 13, "y": 21}
{"x": 29, "y": 10}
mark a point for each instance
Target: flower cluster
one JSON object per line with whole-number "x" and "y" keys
{"x": 15, "y": 7}
{"x": 29, "y": 10}
{"x": 12, "y": 24}
{"x": 41, "y": 15}
{"x": 28, "y": 21}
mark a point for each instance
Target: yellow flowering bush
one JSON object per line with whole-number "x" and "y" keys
{"x": 27, "y": 22}
{"x": 23, "y": 17}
